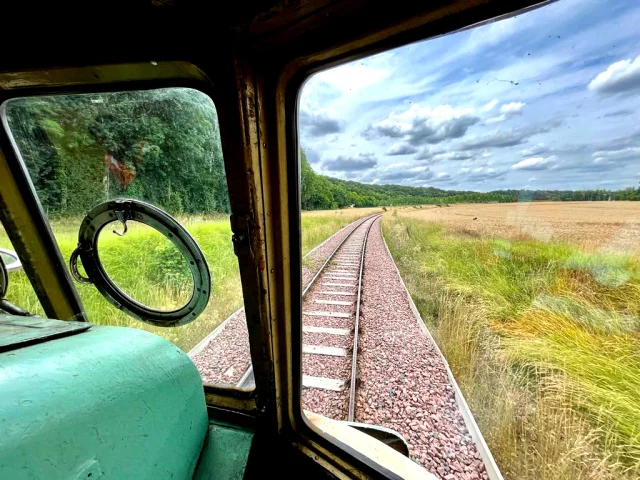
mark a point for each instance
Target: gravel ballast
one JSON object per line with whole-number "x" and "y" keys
{"x": 404, "y": 382}
{"x": 225, "y": 359}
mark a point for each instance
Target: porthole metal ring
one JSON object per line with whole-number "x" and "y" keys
{"x": 123, "y": 210}
{"x": 13, "y": 265}
{"x": 4, "y": 278}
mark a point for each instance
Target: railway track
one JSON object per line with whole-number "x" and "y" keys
{"x": 406, "y": 383}
{"x": 227, "y": 346}
{"x": 343, "y": 266}
{"x": 331, "y": 316}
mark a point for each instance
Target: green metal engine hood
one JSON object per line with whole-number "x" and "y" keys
{"x": 97, "y": 403}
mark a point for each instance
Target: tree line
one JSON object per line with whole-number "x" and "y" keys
{"x": 163, "y": 146}
{"x": 320, "y": 192}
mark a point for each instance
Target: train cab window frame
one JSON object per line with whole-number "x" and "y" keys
{"x": 257, "y": 97}
{"x": 61, "y": 299}
{"x": 312, "y": 435}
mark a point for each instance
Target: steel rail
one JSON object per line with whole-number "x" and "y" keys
{"x": 354, "y": 355}
{"x": 247, "y": 379}
{"x": 330, "y": 257}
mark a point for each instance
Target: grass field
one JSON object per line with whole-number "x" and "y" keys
{"x": 147, "y": 267}
{"x": 541, "y": 331}
{"x": 319, "y": 225}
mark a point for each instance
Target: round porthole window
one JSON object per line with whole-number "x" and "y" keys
{"x": 164, "y": 251}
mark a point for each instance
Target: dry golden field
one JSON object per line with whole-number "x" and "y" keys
{"x": 536, "y": 307}
{"x": 607, "y": 227}
{"x": 350, "y": 213}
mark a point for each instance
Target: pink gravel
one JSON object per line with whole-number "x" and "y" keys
{"x": 227, "y": 357}
{"x": 316, "y": 258}
{"x": 404, "y": 383}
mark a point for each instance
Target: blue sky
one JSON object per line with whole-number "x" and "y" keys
{"x": 549, "y": 99}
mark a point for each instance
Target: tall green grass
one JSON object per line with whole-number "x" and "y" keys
{"x": 317, "y": 226}
{"x": 147, "y": 267}
{"x": 543, "y": 339}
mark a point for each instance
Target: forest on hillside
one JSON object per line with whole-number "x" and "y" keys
{"x": 163, "y": 146}
{"x": 320, "y": 192}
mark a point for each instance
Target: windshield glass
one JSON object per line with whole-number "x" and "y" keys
{"x": 497, "y": 275}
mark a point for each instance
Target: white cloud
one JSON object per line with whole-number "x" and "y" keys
{"x": 496, "y": 139}
{"x": 445, "y": 156}
{"x": 443, "y": 179}
{"x": 534, "y": 163}
{"x": 532, "y": 179}
{"x": 401, "y": 149}
{"x": 513, "y": 108}
{"x": 535, "y": 150}
{"x": 498, "y": 119}
{"x": 318, "y": 122}
{"x": 353, "y": 76}
{"x": 507, "y": 111}
{"x": 342, "y": 163}
{"x": 480, "y": 174}
{"x": 622, "y": 76}
{"x": 401, "y": 173}
{"x": 424, "y": 125}
{"x": 489, "y": 106}
{"x": 630, "y": 153}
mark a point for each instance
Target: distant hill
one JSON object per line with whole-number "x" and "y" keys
{"x": 320, "y": 192}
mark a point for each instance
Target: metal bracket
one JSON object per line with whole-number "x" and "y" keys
{"x": 123, "y": 221}
{"x": 240, "y": 226}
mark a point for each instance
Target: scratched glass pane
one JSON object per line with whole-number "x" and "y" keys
{"x": 500, "y": 166}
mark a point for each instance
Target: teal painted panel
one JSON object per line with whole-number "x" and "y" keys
{"x": 16, "y": 331}
{"x": 225, "y": 454}
{"x": 108, "y": 403}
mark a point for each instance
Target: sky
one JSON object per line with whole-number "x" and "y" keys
{"x": 548, "y": 99}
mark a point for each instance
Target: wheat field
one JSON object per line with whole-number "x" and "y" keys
{"x": 536, "y": 308}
